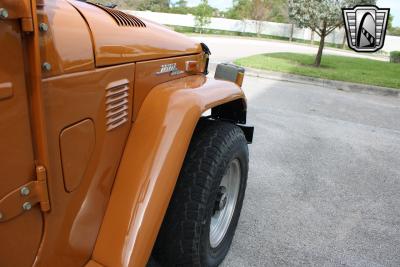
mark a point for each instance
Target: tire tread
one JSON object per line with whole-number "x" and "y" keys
{"x": 178, "y": 243}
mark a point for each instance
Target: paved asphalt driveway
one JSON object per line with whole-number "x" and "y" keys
{"x": 324, "y": 184}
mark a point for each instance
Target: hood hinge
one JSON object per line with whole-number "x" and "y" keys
{"x": 21, "y": 9}
{"x": 25, "y": 197}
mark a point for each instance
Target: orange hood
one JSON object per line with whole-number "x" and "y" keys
{"x": 120, "y": 38}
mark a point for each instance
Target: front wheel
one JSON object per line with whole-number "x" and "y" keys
{"x": 204, "y": 211}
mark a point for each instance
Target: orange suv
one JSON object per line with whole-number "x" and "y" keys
{"x": 115, "y": 146}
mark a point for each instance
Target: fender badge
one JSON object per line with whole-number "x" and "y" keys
{"x": 172, "y": 69}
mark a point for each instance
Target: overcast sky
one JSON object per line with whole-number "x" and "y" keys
{"x": 394, "y": 6}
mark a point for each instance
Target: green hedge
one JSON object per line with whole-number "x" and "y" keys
{"x": 395, "y": 56}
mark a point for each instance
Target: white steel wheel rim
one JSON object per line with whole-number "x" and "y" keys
{"x": 225, "y": 204}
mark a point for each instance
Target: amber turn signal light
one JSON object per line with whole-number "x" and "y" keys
{"x": 192, "y": 66}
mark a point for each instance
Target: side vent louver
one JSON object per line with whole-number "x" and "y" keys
{"x": 117, "y": 104}
{"x": 121, "y": 18}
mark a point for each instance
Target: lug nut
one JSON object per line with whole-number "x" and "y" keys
{"x": 27, "y": 206}
{"x": 46, "y": 66}
{"x": 43, "y": 27}
{"x": 3, "y": 13}
{"x": 25, "y": 191}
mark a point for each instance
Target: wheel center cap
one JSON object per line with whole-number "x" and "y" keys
{"x": 222, "y": 202}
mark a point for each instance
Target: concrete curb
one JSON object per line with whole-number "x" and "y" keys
{"x": 338, "y": 85}
{"x": 331, "y": 84}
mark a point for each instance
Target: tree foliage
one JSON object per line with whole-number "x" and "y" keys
{"x": 203, "y": 13}
{"x": 272, "y": 10}
{"x": 154, "y": 5}
{"x": 391, "y": 29}
{"x": 321, "y": 16}
{"x": 240, "y": 10}
{"x": 123, "y": 4}
{"x": 180, "y": 7}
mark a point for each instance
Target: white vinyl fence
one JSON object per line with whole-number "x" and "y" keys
{"x": 250, "y": 26}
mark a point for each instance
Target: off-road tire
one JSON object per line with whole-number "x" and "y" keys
{"x": 184, "y": 238}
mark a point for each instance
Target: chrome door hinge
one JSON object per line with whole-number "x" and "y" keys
{"x": 25, "y": 197}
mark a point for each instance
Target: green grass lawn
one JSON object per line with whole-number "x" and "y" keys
{"x": 339, "y": 68}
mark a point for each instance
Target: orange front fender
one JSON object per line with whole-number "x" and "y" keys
{"x": 151, "y": 163}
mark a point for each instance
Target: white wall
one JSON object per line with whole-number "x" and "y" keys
{"x": 392, "y": 43}
{"x": 250, "y": 26}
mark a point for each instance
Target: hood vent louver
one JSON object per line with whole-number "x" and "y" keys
{"x": 117, "y": 104}
{"x": 121, "y": 18}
